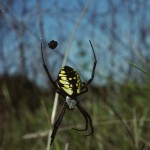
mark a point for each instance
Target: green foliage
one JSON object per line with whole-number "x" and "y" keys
{"x": 139, "y": 68}
{"x": 114, "y": 108}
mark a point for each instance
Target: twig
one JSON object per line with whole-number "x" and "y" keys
{"x": 49, "y": 140}
{"x": 66, "y": 146}
{"x": 66, "y": 55}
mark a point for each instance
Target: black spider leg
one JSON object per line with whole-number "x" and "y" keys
{"x": 94, "y": 66}
{"x": 58, "y": 121}
{"x": 48, "y": 74}
{"x": 87, "y": 118}
{"x": 84, "y": 89}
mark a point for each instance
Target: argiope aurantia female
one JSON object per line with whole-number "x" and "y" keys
{"x": 68, "y": 84}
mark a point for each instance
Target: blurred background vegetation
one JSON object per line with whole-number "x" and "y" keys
{"x": 118, "y": 98}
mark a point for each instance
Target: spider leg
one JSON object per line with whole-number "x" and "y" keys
{"x": 87, "y": 116}
{"x": 82, "y": 85}
{"x": 94, "y": 66}
{"x": 86, "y": 119}
{"x": 84, "y": 90}
{"x": 46, "y": 69}
{"x": 58, "y": 121}
{"x": 48, "y": 74}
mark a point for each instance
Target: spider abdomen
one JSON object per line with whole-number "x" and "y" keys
{"x": 69, "y": 81}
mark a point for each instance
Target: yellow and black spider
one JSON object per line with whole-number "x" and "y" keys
{"x": 68, "y": 84}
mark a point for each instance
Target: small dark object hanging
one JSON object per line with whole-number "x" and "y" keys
{"x": 52, "y": 44}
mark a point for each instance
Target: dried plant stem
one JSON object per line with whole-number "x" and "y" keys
{"x": 66, "y": 146}
{"x": 54, "y": 110}
{"x": 74, "y": 31}
{"x": 66, "y": 55}
{"x": 49, "y": 140}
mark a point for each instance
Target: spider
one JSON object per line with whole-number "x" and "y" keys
{"x": 69, "y": 85}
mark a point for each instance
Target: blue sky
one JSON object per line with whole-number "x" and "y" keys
{"x": 113, "y": 46}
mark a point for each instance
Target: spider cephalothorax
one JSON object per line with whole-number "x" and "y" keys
{"x": 69, "y": 86}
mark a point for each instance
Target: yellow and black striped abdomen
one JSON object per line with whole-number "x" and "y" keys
{"x": 69, "y": 81}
